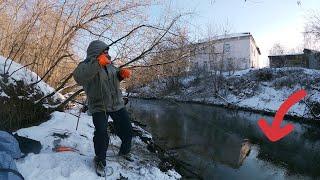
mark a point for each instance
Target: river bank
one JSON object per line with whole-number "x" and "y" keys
{"x": 60, "y": 130}
{"x": 255, "y": 90}
{"x": 295, "y": 118}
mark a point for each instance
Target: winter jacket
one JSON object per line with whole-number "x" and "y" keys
{"x": 101, "y": 84}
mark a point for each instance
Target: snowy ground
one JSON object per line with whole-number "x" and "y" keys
{"x": 60, "y": 130}
{"x": 246, "y": 89}
{"x": 50, "y": 165}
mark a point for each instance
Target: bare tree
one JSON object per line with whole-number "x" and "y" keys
{"x": 277, "y": 49}
{"x": 47, "y": 33}
{"x": 158, "y": 39}
{"x": 168, "y": 60}
{"x": 312, "y": 32}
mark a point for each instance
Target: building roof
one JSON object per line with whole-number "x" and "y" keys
{"x": 221, "y": 38}
{"x": 229, "y": 37}
{"x": 305, "y": 51}
{"x": 225, "y": 36}
{"x": 282, "y": 55}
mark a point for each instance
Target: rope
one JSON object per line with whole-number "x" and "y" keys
{"x": 105, "y": 113}
{"x": 80, "y": 109}
{"x": 194, "y": 117}
{"x": 115, "y": 155}
{"x": 110, "y": 143}
{"x": 105, "y": 172}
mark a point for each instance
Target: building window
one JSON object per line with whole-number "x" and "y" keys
{"x": 226, "y": 48}
{"x": 193, "y": 51}
{"x": 205, "y": 65}
{"x": 196, "y": 65}
{"x": 212, "y": 65}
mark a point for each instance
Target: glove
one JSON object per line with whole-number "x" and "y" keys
{"x": 125, "y": 73}
{"x": 103, "y": 60}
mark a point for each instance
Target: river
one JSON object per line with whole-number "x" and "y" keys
{"x": 215, "y": 141}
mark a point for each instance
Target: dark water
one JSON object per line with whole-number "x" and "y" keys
{"x": 213, "y": 138}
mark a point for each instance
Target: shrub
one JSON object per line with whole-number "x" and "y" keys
{"x": 19, "y": 110}
{"x": 196, "y": 81}
{"x": 173, "y": 85}
{"x": 314, "y": 108}
{"x": 285, "y": 81}
{"x": 264, "y": 75}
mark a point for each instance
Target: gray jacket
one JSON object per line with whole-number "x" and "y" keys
{"x": 101, "y": 85}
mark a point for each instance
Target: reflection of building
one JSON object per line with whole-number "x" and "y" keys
{"x": 232, "y": 151}
{"x": 224, "y": 148}
{"x": 307, "y": 59}
{"x": 227, "y": 52}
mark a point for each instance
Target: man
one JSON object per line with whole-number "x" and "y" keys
{"x": 101, "y": 82}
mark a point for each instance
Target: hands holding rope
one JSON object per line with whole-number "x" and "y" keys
{"x": 104, "y": 60}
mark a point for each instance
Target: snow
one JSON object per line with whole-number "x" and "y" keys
{"x": 225, "y": 36}
{"x": 79, "y": 165}
{"x": 187, "y": 80}
{"x": 312, "y": 72}
{"x": 18, "y": 72}
{"x": 3, "y": 94}
{"x": 240, "y": 72}
{"x": 271, "y": 99}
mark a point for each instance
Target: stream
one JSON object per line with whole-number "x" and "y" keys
{"x": 221, "y": 143}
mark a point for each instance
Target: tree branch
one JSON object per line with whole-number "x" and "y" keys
{"x": 56, "y": 90}
{"x": 154, "y": 45}
{"x": 61, "y": 106}
{"x": 62, "y": 57}
{"x": 21, "y": 68}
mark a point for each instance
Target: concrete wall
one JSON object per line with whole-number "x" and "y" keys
{"x": 307, "y": 60}
{"x": 288, "y": 61}
{"x": 314, "y": 60}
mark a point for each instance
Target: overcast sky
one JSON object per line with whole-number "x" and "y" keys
{"x": 269, "y": 21}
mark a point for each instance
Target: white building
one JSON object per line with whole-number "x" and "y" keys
{"x": 226, "y": 53}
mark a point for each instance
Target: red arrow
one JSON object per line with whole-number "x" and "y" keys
{"x": 275, "y": 132}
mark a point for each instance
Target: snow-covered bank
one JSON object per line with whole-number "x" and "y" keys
{"x": 61, "y": 130}
{"x": 14, "y": 72}
{"x": 20, "y": 90}
{"x": 261, "y": 90}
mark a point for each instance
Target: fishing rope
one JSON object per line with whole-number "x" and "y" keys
{"x": 107, "y": 116}
{"x": 194, "y": 117}
{"x": 105, "y": 113}
{"x": 80, "y": 109}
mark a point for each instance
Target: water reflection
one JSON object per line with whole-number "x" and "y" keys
{"x": 215, "y": 146}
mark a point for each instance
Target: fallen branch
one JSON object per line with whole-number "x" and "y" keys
{"x": 52, "y": 67}
{"x": 56, "y": 90}
{"x": 136, "y": 28}
{"x": 65, "y": 102}
{"x": 157, "y": 64}
{"x": 157, "y": 41}
{"x": 20, "y": 68}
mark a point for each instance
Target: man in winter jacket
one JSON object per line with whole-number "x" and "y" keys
{"x": 101, "y": 82}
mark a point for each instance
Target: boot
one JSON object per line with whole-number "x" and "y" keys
{"x": 100, "y": 167}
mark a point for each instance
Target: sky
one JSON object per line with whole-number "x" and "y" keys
{"x": 269, "y": 21}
